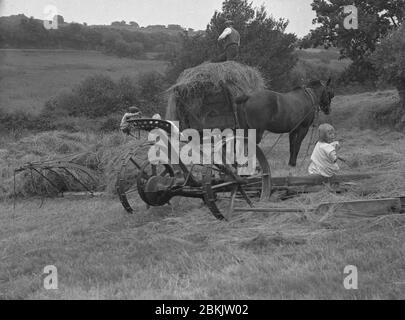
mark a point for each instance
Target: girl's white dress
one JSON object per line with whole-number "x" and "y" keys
{"x": 323, "y": 160}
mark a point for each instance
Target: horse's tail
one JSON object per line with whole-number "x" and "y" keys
{"x": 242, "y": 99}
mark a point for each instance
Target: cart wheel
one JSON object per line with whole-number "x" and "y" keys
{"x": 162, "y": 174}
{"x": 220, "y": 197}
{"x": 126, "y": 179}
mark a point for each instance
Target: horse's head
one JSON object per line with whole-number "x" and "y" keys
{"x": 325, "y": 94}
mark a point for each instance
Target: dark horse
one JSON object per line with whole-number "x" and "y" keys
{"x": 292, "y": 112}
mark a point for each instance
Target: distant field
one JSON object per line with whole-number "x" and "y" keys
{"x": 315, "y": 62}
{"x": 313, "y": 53}
{"x": 30, "y": 77}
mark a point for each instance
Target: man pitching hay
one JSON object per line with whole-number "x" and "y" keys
{"x": 230, "y": 39}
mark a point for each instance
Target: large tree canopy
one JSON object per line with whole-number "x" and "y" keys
{"x": 264, "y": 42}
{"x": 389, "y": 59}
{"x": 375, "y": 19}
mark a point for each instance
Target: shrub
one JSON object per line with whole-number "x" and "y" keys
{"x": 110, "y": 123}
{"x": 17, "y": 122}
{"x": 99, "y": 96}
{"x": 151, "y": 87}
{"x": 96, "y": 97}
{"x": 127, "y": 92}
{"x": 151, "y": 84}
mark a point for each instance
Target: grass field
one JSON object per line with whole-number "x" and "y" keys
{"x": 182, "y": 252}
{"x": 29, "y": 78}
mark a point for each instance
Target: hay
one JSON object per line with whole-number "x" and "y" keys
{"x": 98, "y": 152}
{"x": 196, "y": 83}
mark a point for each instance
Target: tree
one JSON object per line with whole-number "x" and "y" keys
{"x": 389, "y": 60}
{"x": 134, "y": 24}
{"x": 264, "y": 43}
{"x": 270, "y": 48}
{"x": 121, "y": 48}
{"x": 195, "y": 50}
{"x": 31, "y": 33}
{"x": 375, "y": 19}
{"x": 60, "y": 19}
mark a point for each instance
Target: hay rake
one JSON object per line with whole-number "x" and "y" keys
{"x": 61, "y": 175}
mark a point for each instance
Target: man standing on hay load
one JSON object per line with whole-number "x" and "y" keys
{"x": 230, "y": 39}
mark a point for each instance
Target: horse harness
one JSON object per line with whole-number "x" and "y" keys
{"x": 309, "y": 92}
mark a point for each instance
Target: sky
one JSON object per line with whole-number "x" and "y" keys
{"x": 194, "y": 14}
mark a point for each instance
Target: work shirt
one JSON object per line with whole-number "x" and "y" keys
{"x": 231, "y": 36}
{"x": 323, "y": 160}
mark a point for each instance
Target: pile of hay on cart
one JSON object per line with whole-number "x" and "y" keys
{"x": 203, "y": 85}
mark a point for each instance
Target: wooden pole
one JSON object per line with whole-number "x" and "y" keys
{"x": 360, "y": 208}
{"x": 312, "y": 180}
{"x": 270, "y": 210}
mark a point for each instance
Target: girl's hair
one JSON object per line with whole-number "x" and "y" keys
{"x": 323, "y": 131}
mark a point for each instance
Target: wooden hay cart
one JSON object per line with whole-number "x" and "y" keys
{"x": 218, "y": 185}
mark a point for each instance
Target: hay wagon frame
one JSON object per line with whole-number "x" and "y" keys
{"x": 218, "y": 185}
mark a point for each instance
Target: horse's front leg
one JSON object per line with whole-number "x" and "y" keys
{"x": 293, "y": 159}
{"x": 259, "y": 136}
{"x": 299, "y": 136}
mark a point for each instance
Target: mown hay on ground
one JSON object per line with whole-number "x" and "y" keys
{"x": 100, "y": 153}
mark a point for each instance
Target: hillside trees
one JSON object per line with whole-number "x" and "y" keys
{"x": 375, "y": 19}
{"x": 264, "y": 42}
{"x": 22, "y": 32}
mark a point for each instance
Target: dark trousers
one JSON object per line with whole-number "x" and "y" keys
{"x": 231, "y": 53}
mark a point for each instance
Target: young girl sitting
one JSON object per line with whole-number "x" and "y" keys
{"x": 324, "y": 156}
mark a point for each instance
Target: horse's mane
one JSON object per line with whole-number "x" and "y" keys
{"x": 297, "y": 88}
{"x": 311, "y": 84}
{"x": 314, "y": 83}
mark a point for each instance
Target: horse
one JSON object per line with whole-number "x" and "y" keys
{"x": 293, "y": 112}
